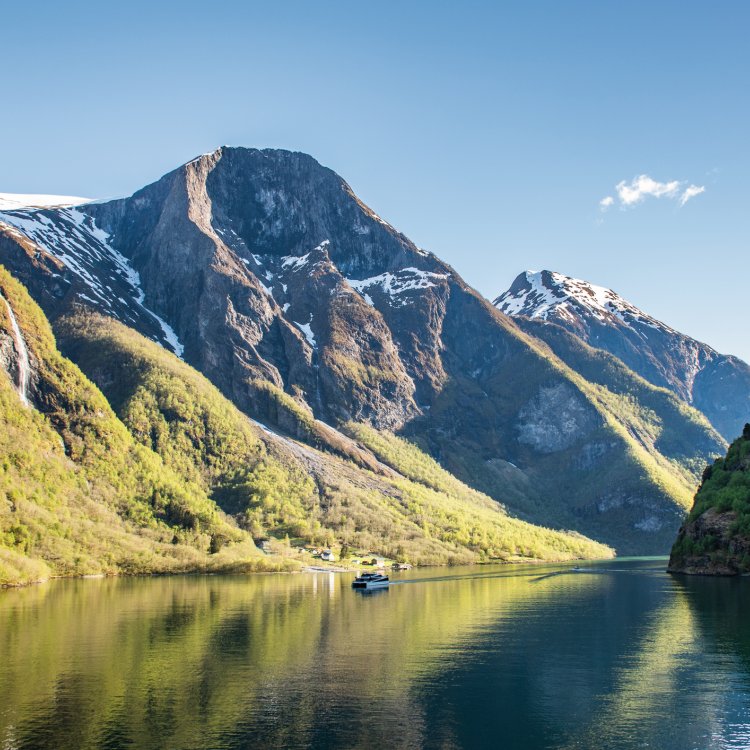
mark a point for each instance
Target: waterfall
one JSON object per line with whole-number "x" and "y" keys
{"x": 24, "y": 369}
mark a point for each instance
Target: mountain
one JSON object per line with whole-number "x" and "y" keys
{"x": 715, "y": 539}
{"x": 78, "y": 495}
{"x": 158, "y": 472}
{"x": 262, "y": 270}
{"x": 715, "y": 384}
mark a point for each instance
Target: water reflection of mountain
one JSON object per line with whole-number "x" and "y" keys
{"x": 211, "y": 658}
{"x": 653, "y": 663}
{"x": 289, "y": 661}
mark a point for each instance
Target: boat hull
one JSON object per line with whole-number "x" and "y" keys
{"x": 370, "y": 584}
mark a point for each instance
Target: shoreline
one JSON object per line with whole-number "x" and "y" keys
{"x": 304, "y": 569}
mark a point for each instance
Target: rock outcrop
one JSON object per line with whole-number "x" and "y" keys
{"x": 715, "y": 540}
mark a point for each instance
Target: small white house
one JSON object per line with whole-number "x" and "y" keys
{"x": 327, "y": 555}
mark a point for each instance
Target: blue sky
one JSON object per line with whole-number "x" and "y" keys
{"x": 487, "y": 132}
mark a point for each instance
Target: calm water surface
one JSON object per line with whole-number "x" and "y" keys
{"x": 619, "y": 655}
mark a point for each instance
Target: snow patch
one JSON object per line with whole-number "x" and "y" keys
{"x": 308, "y": 331}
{"x": 11, "y": 201}
{"x": 169, "y": 333}
{"x": 295, "y": 262}
{"x": 74, "y": 239}
{"x": 398, "y": 282}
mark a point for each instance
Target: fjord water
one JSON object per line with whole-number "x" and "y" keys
{"x": 617, "y": 655}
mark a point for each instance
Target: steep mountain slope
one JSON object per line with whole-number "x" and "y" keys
{"x": 77, "y": 494}
{"x": 717, "y": 385}
{"x": 264, "y": 271}
{"x": 277, "y": 486}
{"x": 183, "y": 481}
{"x": 715, "y": 539}
{"x": 679, "y": 431}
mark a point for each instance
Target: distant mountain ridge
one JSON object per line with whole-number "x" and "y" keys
{"x": 264, "y": 271}
{"x": 715, "y": 384}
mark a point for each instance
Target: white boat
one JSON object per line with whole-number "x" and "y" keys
{"x": 370, "y": 581}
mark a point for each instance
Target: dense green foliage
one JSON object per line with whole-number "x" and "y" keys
{"x": 78, "y": 495}
{"x": 175, "y": 411}
{"x": 725, "y": 493}
{"x": 726, "y": 484}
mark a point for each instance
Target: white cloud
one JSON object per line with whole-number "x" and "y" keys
{"x": 639, "y": 188}
{"x": 643, "y": 186}
{"x": 691, "y": 192}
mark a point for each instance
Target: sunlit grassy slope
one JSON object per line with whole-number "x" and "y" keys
{"x": 78, "y": 495}
{"x": 280, "y": 488}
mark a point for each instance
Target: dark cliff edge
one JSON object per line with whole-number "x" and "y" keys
{"x": 715, "y": 539}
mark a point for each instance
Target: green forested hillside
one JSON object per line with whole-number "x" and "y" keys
{"x": 175, "y": 411}
{"x": 277, "y": 487}
{"x": 78, "y": 495}
{"x": 715, "y": 539}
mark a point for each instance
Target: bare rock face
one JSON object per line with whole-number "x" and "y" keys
{"x": 248, "y": 252}
{"x": 555, "y": 419}
{"x": 263, "y": 270}
{"x": 8, "y": 357}
{"x": 716, "y": 550}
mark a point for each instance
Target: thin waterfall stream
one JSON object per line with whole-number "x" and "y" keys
{"x": 24, "y": 367}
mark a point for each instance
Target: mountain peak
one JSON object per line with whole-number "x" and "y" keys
{"x": 249, "y": 153}
{"x": 549, "y": 295}
{"x": 696, "y": 373}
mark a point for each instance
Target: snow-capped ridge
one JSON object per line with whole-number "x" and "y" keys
{"x": 548, "y": 294}
{"x": 19, "y": 201}
{"x": 74, "y": 239}
{"x": 398, "y": 282}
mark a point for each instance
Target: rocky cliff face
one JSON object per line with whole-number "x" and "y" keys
{"x": 268, "y": 266}
{"x": 264, "y": 271}
{"x": 715, "y": 540}
{"x": 717, "y": 385}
